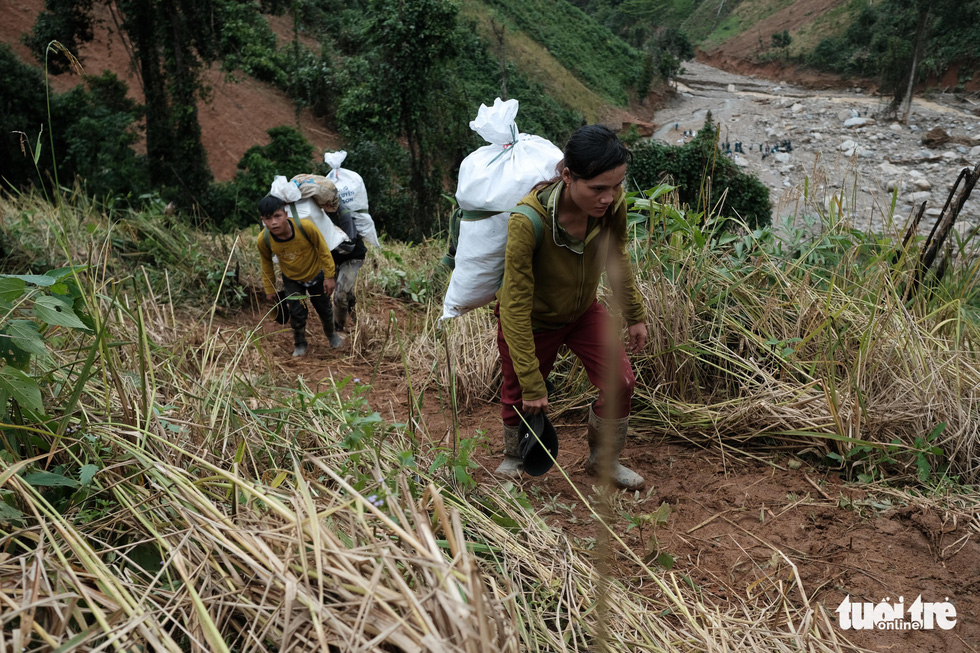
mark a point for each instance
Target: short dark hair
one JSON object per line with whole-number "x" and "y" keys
{"x": 593, "y": 150}
{"x": 269, "y": 205}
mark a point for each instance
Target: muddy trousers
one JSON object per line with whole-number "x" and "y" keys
{"x": 298, "y": 311}
{"x": 586, "y": 339}
{"x": 343, "y": 295}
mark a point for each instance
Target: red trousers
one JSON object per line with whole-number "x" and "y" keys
{"x": 586, "y": 339}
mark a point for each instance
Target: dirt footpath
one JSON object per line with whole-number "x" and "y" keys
{"x": 744, "y": 527}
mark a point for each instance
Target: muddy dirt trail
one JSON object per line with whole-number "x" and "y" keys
{"x": 744, "y": 526}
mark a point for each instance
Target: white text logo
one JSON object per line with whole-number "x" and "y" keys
{"x": 921, "y": 615}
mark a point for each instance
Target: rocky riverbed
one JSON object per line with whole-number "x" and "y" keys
{"x": 829, "y": 152}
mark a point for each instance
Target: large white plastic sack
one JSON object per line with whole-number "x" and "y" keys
{"x": 353, "y": 195}
{"x": 479, "y": 265}
{"x": 284, "y": 189}
{"x": 307, "y": 208}
{"x": 494, "y": 178}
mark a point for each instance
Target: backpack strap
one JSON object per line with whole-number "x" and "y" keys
{"x": 296, "y": 221}
{"x": 536, "y": 222}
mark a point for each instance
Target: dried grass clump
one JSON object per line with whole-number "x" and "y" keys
{"x": 805, "y": 365}
{"x": 238, "y": 516}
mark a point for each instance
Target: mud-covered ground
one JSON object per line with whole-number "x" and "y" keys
{"x": 744, "y": 526}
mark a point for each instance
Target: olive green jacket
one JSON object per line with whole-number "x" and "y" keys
{"x": 550, "y": 285}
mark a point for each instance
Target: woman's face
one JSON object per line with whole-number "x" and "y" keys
{"x": 595, "y": 196}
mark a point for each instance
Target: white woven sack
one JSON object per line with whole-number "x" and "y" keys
{"x": 353, "y": 195}
{"x": 307, "y": 208}
{"x": 284, "y": 189}
{"x": 494, "y": 177}
{"x": 479, "y": 267}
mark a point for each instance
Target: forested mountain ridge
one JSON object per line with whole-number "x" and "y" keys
{"x": 852, "y": 39}
{"x": 394, "y": 83}
{"x": 212, "y": 97}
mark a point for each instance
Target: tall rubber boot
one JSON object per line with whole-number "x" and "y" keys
{"x": 512, "y": 466}
{"x": 598, "y": 428}
{"x": 330, "y": 330}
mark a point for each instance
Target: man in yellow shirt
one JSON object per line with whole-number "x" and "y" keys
{"x": 306, "y": 267}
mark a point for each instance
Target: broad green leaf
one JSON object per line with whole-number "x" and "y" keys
{"x": 11, "y": 288}
{"x": 60, "y": 274}
{"x": 87, "y": 473}
{"x": 48, "y": 479}
{"x": 36, "y": 279}
{"x": 25, "y": 336}
{"x": 54, "y": 311}
{"x": 923, "y": 466}
{"x": 9, "y": 513}
{"x": 12, "y": 354}
{"x": 22, "y": 388}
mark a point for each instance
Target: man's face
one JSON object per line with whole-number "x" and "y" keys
{"x": 278, "y": 224}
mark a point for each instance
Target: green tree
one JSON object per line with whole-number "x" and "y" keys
{"x": 22, "y": 116}
{"x": 288, "y": 153}
{"x": 702, "y": 175}
{"x": 170, "y": 41}
{"x": 399, "y": 90}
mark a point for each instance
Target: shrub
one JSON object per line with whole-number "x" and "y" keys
{"x": 21, "y": 111}
{"x": 232, "y": 204}
{"x": 97, "y": 126}
{"x": 689, "y": 164}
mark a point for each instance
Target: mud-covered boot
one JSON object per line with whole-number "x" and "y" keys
{"x": 299, "y": 343}
{"x": 616, "y": 428}
{"x": 330, "y": 330}
{"x": 512, "y": 466}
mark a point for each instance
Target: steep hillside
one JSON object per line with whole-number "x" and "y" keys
{"x": 741, "y": 38}
{"x": 235, "y": 117}
{"x": 580, "y": 63}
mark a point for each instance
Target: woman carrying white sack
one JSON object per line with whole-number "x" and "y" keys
{"x": 354, "y": 201}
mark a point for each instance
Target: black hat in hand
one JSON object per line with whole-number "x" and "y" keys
{"x": 535, "y": 443}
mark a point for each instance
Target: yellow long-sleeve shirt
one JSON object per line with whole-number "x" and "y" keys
{"x": 300, "y": 259}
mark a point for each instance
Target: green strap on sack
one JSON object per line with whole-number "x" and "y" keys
{"x": 536, "y": 223}
{"x": 459, "y": 216}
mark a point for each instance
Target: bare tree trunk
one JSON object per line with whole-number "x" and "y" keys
{"x": 920, "y": 32}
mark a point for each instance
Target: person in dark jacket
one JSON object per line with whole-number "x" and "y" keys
{"x": 348, "y": 259}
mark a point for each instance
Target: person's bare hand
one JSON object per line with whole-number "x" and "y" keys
{"x": 535, "y": 406}
{"x": 328, "y": 286}
{"x": 636, "y": 337}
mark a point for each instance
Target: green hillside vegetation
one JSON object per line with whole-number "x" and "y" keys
{"x": 166, "y": 484}
{"x": 590, "y": 51}
{"x": 398, "y": 80}
{"x": 526, "y": 56}
{"x": 879, "y": 42}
